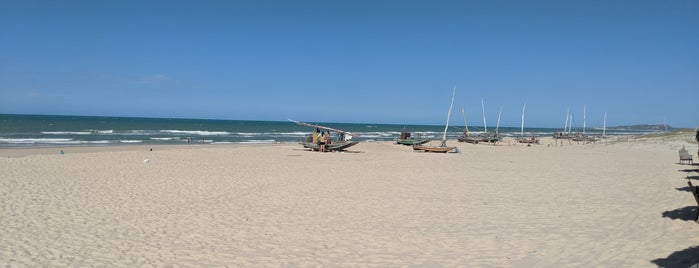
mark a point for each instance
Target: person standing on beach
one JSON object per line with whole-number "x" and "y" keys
{"x": 315, "y": 136}
{"x": 321, "y": 142}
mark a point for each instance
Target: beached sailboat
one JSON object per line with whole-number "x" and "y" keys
{"x": 604, "y": 126}
{"x": 442, "y": 148}
{"x": 406, "y": 138}
{"x": 341, "y": 143}
{"x": 584, "y": 137}
{"x": 565, "y": 134}
{"x": 467, "y": 137}
{"x": 486, "y": 137}
{"x": 522, "y": 139}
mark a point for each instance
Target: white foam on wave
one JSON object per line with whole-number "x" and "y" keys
{"x": 66, "y": 132}
{"x": 297, "y": 133}
{"x": 257, "y": 134}
{"x": 166, "y": 139}
{"x": 257, "y": 142}
{"x": 196, "y": 132}
{"x": 30, "y": 141}
{"x": 138, "y": 132}
{"x": 100, "y": 142}
{"x": 375, "y": 134}
{"x": 50, "y": 141}
{"x": 130, "y": 141}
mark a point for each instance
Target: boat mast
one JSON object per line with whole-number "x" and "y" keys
{"x": 565, "y": 127}
{"x": 522, "y": 130}
{"x": 497, "y": 126}
{"x": 485, "y": 126}
{"x": 584, "y": 118}
{"x": 604, "y": 125}
{"x": 444, "y": 136}
{"x": 464, "y": 115}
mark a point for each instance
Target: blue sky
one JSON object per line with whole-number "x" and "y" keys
{"x": 354, "y": 61}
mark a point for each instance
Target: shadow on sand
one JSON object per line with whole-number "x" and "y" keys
{"x": 684, "y": 189}
{"x": 688, "y": 257}
{"x": 685, "y": 213}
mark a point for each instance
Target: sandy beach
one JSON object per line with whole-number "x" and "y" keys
{"x": 620, "y": 203}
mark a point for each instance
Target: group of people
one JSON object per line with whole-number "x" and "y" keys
{"x": 321, "y": 139}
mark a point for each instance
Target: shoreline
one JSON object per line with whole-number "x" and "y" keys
{"x": 21, "y": 151}
{"x": 51, "y": 150}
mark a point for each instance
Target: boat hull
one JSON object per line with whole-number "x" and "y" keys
{"x": 411, "y": 142}
{"x": 335, "y": 146}
{"x": 532, "y": 140}
{"x": 469, "y": 139}
{"x": 432, "y": 149}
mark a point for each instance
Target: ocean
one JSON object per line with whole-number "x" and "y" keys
{"x": 58, "y": 130}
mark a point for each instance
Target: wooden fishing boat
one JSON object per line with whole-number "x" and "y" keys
{"x": 433, "y": 149}
{"x": 406, "y": 139}
{"x": 583, "y": 138}
{"x": 562, "y": 136}
{"x": 442, "y": 148}
{"x": 566, "y": 133}
{"x": 529, "y": 140}
{"x": 489, "y": 137}
{"x": 522, "y": 139}
{"x": 493, "y": 138}
{"x": 469, "y": 139}
{"x": 335, "y": 146}
{"x": 341, "y": 143}
{"x": 411, "y": 142}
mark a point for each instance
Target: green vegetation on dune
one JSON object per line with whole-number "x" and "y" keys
{"x": 684, "y": 134}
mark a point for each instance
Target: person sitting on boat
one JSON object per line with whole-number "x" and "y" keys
{"x": 328, "y": 138}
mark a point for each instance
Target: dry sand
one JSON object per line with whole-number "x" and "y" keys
{"x": 615, "y": 204}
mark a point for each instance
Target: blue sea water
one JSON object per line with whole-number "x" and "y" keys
{"x": 57, "y": 130}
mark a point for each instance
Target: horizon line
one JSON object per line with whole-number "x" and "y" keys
{"x": 328, "y": 122}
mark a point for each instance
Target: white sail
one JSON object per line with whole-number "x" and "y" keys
{"x": 444, "y": 136}
{"x": 497, "y": 126}
{"x": 465, "y": 124}
{"x": 485, "y": 125}
{"x": 604, "y": 125}
{"x": 584, "y": 117}
{"x": 522, "y": 130}
{"x": 565, "y": 127}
